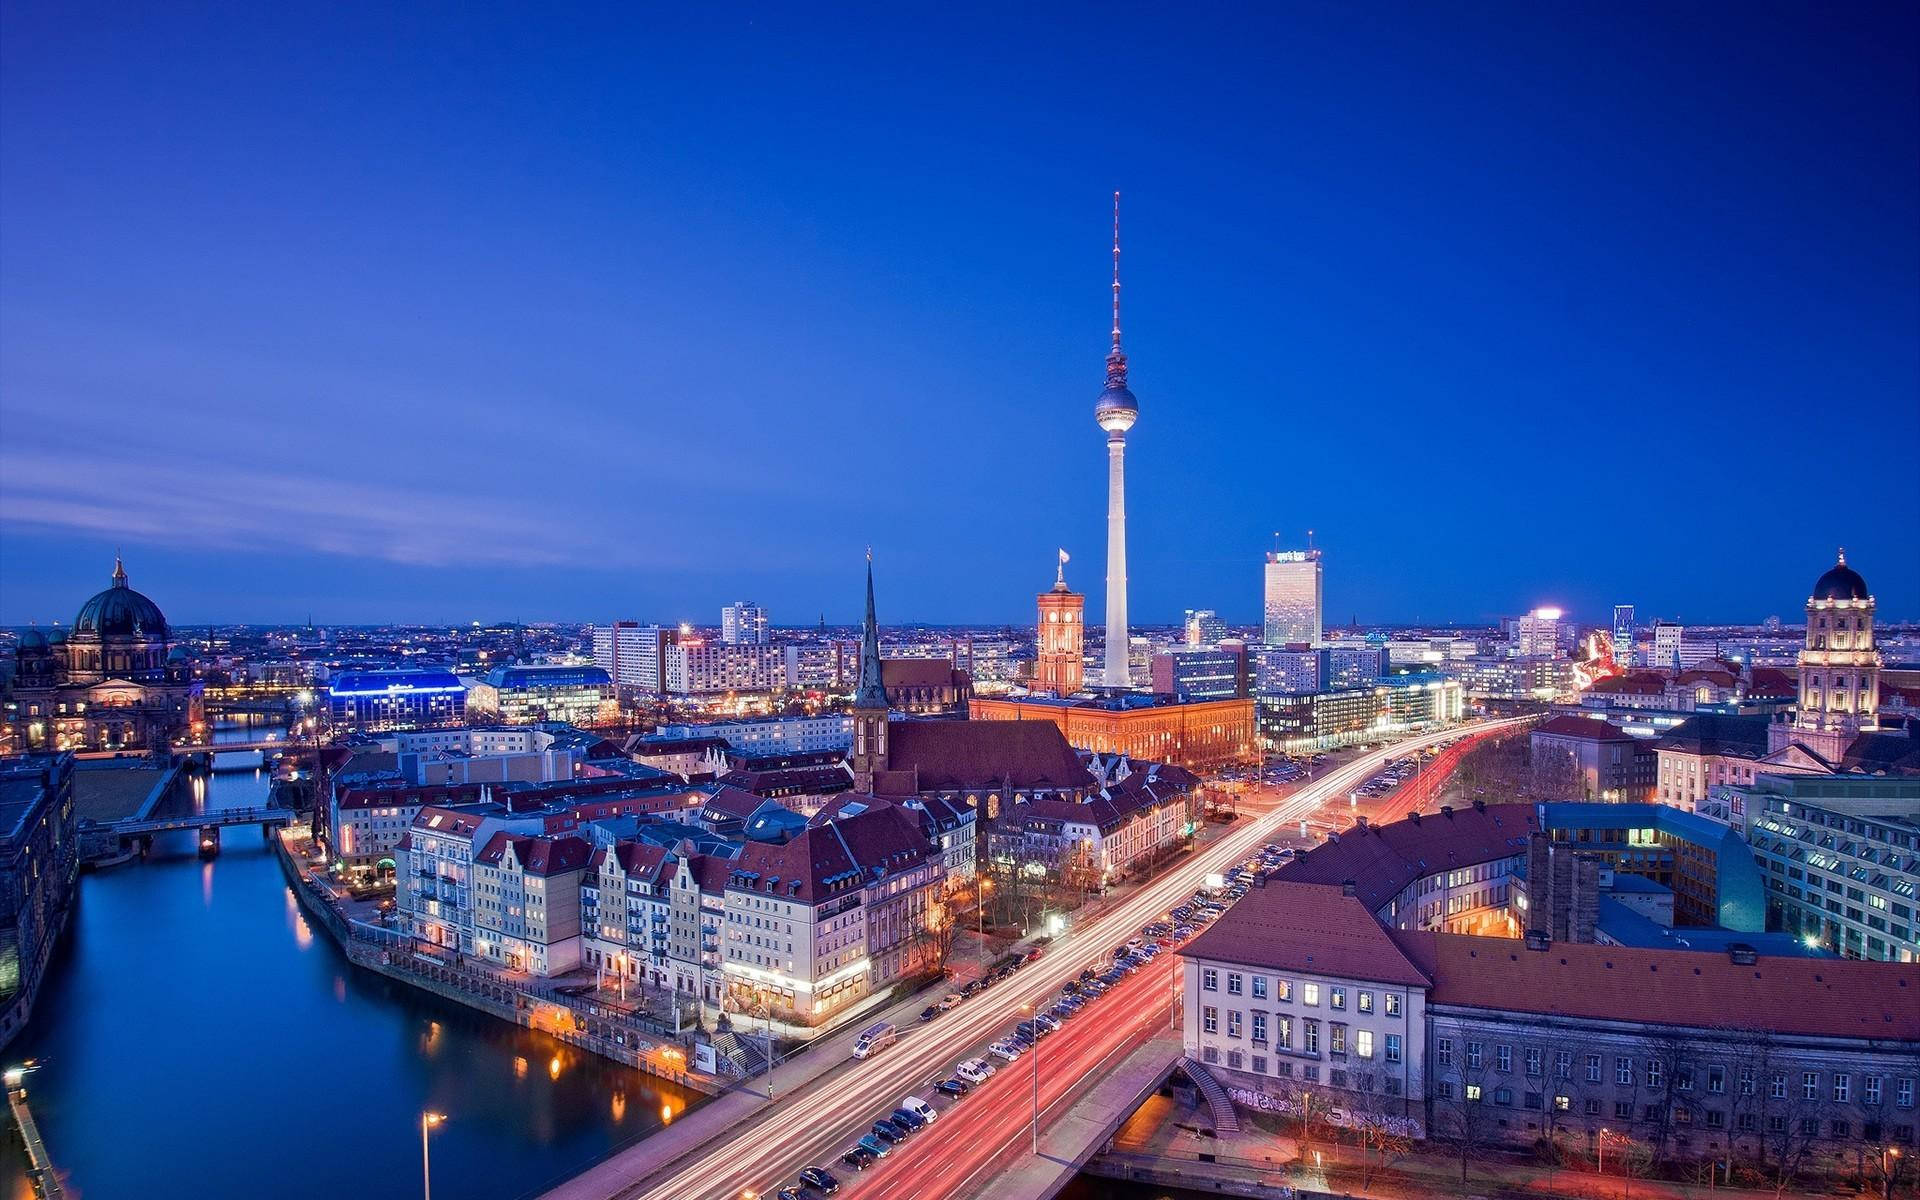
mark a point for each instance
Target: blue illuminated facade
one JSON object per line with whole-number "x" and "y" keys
{"x": 401, "y": 699}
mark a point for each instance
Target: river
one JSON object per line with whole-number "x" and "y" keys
{"x": 201, "y": 1037}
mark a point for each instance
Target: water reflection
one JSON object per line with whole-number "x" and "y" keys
{"x": 175, "y": 1007}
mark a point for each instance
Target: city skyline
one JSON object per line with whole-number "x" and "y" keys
{"x": 284, "y": 409}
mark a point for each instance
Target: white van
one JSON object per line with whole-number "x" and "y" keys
{"x": 874, "y": 1039}
{"x": 920, "y": 1108}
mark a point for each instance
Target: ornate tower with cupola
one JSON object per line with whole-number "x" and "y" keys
{"x": 869, "y": 755}
{"x": 1839, "y": 667}
{"x": 1060, "y": 644}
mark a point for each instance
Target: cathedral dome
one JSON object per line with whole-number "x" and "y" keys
{"x": 1841, "y": 582}
{"x": 32, "y": 639}
{"x": 121, "y": 612}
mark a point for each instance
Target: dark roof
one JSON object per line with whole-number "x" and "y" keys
{"x": 526, "y": 677}
{"x": 1891, "y": 753}
{"x": 1772, "y": 682}
{"x": 121, "y": 612}
{"x": 1715, "y": 733}
{"x": 538, "y": 855}
{"x": 1383, "y": 859}
{"x": 1306, "y": 927}
{"x": 1841, "y": 582}
{"x": 1806, "y": 996}
{"x": 952, "y": 755}
{"x": 1589, "y": 728}
{"x": 1633, "y": 683}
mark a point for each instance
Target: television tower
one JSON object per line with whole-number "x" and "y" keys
{"x": 1116, "y": 410}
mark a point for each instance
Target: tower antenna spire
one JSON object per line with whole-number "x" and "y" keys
{"x": 1116, "y": 272}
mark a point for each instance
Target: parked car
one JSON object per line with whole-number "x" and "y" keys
{"x": 874, "y": 1146}
{"x": 792, "y": 1191}
{"x": 950, "y": 1000}
{"x": 820, "y": 1179}
{"x": 874, "y": 1039}
{"x": 913, "y": 1121}
{"x": 1047, "y": 1021}
{"x": 885, "y": 1131}
{"x": 929, "y": 1012}
{"x": 974, "y": 1070}
{"x": 859, "y": 1158}
{"x": 1005, "y": 1051}
{"x": 953, "y": 1086}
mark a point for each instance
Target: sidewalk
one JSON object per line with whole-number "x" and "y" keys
{"x": 723, "y": 1115}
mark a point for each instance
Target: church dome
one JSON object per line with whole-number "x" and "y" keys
{"x": 121, "y": 612}
{"x": 32, "y": 639}
{"x": 1841, "y": 582}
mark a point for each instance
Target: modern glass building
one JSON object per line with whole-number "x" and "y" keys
{"x": 401, "y": 699}
{"x": 525, "y": 695}
{"x": 1293, "y": 598}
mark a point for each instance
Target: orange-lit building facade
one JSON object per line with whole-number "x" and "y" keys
{"x": 1200, "y": 735}
{"x": 1060, "y": 658}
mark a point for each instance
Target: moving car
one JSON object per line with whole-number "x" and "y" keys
{"x": 873, "y": 1039}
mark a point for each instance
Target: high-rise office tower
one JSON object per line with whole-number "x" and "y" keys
{"x": 1060, "y": 659}
{"x": 1293, "y": 598}
{"x": 1204, "y": 628}
{"x": 743, "y": 624}
{"x": 1116, "y": 410}
{"x": 1623, "y": 634}
{"x": 1666, "y": 645}
{"x": 633, "y": 656}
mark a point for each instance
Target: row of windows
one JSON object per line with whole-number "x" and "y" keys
{"x": 1282, "y": 990}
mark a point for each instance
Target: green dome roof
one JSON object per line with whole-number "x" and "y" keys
{"x": 121, "y": 612}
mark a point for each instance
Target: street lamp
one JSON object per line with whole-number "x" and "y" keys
{"x": 1601, "y": 1167}
{"x": 428, "y": 1120}
{"x": 1886, "y": 1175}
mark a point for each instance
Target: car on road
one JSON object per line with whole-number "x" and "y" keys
{"x": 859, "y": 1158}
{"x": 820, "y": 1179}
{"x": 885, "y": 1131}
{"x": 1022, "y": 1038}
{"x": 950, "y": 1000}
{"x": 1006, "y": 1051}
{"x": 920, "y": 1108}
{"x": 954, "y": 1086}
{"x": 1058, "y": 1014}
{"x": 1047, "y": 1021}
{"x": 874, "y": 1146}
{"x": 792, "y": 1191}
{"x": 974, "y": 1070}
{"x": 929, "y": 1012}
{"x": 973, "y": 987}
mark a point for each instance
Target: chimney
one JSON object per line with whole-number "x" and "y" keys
{"x": 1414, "y": 817}
{"x": 1446, "y": 810}
{"x": 1348, "y": 887}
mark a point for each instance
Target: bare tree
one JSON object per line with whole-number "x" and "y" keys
{"x": 1377, "y": 1126}
{"x": 1555, "y": 775}
{"x": 1460, "y": 1111}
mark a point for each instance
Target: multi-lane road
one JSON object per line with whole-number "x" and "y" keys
{"x": 816, "y": 1125}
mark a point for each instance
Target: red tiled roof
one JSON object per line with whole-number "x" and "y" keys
{"x": 1819, "y": 997}
{"x": 1310, "y": 928}
{"x": 1633, "y": 683}
{"x": 1772, "y": 682}
{"x": 1590, "y": 728}
{"x": 1383, "y": 859}
{"x": 920, "y": 672}
{"x": 954, "y": 755}
{"x": 833, "y": 858}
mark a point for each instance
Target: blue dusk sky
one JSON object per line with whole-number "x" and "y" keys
{"x": 545, "y": 312}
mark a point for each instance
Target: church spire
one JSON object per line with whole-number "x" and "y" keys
{"x": 873, "y": 689}
{"x": 1116, "y": 357}
{"x": 119, "y": 571}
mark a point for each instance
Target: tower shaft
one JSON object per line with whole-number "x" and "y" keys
{"x": 1117, "y": 672}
